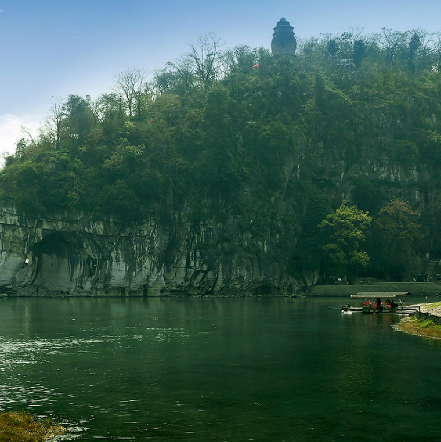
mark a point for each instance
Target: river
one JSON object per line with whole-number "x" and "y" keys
{"x": 201, "y": 369}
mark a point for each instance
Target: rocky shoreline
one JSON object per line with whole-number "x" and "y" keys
{"x": 432, "y": 309}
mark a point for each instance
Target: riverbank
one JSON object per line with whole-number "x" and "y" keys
{"x": 420, "y": 327}
{"x": 425, "y": 323}
{"x": 22, "y": 427}
{"x": 334, "y": 290}
{"x": 346, "y": 290}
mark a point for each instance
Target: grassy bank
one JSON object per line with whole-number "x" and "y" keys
{"x": 22, "y": 427}
{"x": 344, "y": 290}
{"x": 420, "y": 327}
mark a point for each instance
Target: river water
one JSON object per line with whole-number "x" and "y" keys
{"x": 236, "y": 369}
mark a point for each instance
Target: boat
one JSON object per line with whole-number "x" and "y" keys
{"x": 379, "y": 302}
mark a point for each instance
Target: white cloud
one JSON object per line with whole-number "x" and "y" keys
{"x": 11, "y": 131}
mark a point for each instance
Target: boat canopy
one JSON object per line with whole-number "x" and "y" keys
{"x": 386, "y": 295}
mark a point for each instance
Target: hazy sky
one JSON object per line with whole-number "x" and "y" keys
{"x": 50, "y": 49}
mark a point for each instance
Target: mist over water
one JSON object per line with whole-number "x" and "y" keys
{"x": 265, "y": 369}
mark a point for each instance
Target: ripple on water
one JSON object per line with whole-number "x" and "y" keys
{"x": 31, "y": 351}
{"x": 73, "y": 429}
{"x": 16, "y": 392}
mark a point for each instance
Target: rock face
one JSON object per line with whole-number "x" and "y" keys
{"x": 284, "y": 41}
{"x": 75, "y": 255}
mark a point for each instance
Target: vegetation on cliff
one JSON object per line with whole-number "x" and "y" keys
{"x": 279, "y": 142}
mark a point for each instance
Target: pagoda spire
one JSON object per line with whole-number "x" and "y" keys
{"x": 284, "y": 41}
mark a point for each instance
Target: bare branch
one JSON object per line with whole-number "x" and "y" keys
{"x": 130, "y": 84}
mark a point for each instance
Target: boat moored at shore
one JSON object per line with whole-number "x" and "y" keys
{"x": 379, "y": 302}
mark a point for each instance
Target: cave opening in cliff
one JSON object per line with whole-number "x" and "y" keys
{"x": 53, "y": 261}
{"x": 53, "y": 244}
{"x": 265, "y": 289}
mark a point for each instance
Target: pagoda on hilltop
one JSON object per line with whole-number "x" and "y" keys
{"x": 284, "y": 41}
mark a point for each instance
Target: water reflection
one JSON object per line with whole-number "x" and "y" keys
{"x": 203, "y": 369}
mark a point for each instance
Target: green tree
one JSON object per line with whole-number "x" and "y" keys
{"x": 78, "y": 122}
{"x": 398, "y": 229}
{"x": 398, "y": 221}
{"x": 359, "y": 52}
{"x": 204, "y": 58}
{"x": 200, "y": 67}
{"x": 21, "y": 184}
{"x": 346, "y": 231}
{"x": 332, "y": 48}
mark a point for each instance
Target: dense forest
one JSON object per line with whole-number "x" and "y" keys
{"x": 290, "y": 145}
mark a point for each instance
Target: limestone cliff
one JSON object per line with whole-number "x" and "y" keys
{"x": 220, "y": 251}
{"x": 75, "y": 255}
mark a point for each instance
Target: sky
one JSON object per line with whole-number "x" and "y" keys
{"x": 52, "y": 48}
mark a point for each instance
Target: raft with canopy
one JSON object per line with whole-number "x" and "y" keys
{"x": 379, "y": 302}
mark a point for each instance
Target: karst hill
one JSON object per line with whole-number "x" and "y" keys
{"x": 216, "y": 176}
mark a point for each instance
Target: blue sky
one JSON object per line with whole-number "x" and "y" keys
{"x": 54, "y": 48}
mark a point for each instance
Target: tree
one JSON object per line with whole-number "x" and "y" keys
{"x": 345, "y": 230}
{"x": 55, "y": 120}
{"x": 79, "y": 117}
{"x": 240, "y": 59}
{"x": 395, "y": 43}
{"x": 177, "y": 77}
{"x": 23, "y": 181}
{"x": 205, "y": 58}
{"x": 437, "y": 52}
{"x": 200, "y": 66}
{"x": 397, "y": 220}
{"x": 112, "y": 115}
{"x": 398, "y": 230}
{"x": 332, "y": 48}
{"x": 130, "y": 85}
{"x": 414, "y": 44}
{"x": 359, "y": 52}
